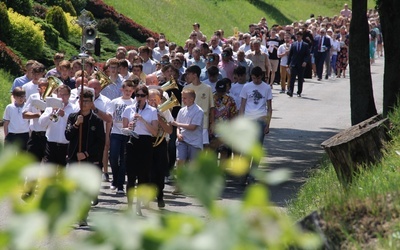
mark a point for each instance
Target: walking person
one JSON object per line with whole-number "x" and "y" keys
{"x": 139, "y": 151}
{"x": 299, "y": 55}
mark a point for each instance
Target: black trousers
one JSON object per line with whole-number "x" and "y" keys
{"x": 20, "y": 139}
{"x": 159, "y": 167}
{"x": 299, "y": 72}
{"x": 171, "y": 151}
{"x": 139, "y": 160}
{"x": 36, "y": 144}
{"x": 56, "y": 153}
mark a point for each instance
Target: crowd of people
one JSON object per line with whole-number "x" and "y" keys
{"x": 216, "y": 80}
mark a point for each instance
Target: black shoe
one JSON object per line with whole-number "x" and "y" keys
{"x": 160, "y": 203}
{"x": 326, "y": 77}
{"x": 319, "y": 79}
{"x": 289, "y": 94}
{"x": 95, "y": 202}
{"x": 298, "y": 95}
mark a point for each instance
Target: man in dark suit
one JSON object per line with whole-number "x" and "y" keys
{"x": 299, "y": 55}
{"x": 322, "y": 45}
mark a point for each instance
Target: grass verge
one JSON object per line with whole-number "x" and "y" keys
{"x": 367, "y": 214}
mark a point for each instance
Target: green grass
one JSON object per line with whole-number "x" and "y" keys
{"x": 175, "y": 17}
{"x": 6, "y": 81}
{"x": 373, "y": 197}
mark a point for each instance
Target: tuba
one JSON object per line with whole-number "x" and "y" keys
{"x": 171, "y": 84}
{"x": 54, "y": 82}
{"x": 170, "y": 103}
{"x": 102, "y": 77}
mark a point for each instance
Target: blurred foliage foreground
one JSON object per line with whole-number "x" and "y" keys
{"x": 63, "y": 197}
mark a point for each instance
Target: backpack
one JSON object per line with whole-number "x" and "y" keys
{"x": 373, "y": 34}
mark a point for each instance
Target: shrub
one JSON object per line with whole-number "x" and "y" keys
{"x": 79, "y": 5}
{"x": 26, "y": 36}
{"x": 23, "y": 7}
{"x": 5, "y": 27}
{"x": 9, "y": 58}
{"x": 107, "y": 25}
{"x": 50, "y": 34}
{"x": 73, "y": 29}
{"x": 39, "y": 11}
{"x": 56, "y": 17}
{"x": 68, "y": 7}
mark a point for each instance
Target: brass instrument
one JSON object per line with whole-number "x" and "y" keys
{"x": 54, "y": 82}
{"x": 171, "y": 84}
{"x": 102, "y": 77}
{"x": 169, "y": 104}
{"x": 54, "y": 116}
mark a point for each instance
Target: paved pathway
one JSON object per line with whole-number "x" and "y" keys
{"x": 298, "y": 127}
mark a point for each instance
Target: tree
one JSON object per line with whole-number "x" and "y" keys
{"x": 361, "y": 93}
{"x": 390, "y": 23}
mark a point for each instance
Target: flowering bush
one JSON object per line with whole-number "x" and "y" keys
{"x": 101, "y": 10}
{"x": 9, "y": 58}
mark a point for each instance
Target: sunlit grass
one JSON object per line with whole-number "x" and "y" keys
{"x": 175, "y": 18}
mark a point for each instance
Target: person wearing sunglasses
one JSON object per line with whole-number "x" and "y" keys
{"x": 143, "y": 120}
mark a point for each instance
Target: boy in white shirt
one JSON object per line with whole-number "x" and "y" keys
{"x": 16, "y": 128}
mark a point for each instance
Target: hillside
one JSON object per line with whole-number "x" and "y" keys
{"x": 175, "y": 18}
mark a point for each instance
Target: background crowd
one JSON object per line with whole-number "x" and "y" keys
{"x": 213, "y": 79}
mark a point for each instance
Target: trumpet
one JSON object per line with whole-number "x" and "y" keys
{"x": 170, "y": 103}
{"x": 54, "y": 115}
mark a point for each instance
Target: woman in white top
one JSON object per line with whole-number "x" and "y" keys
{"x": 139, "y": 150}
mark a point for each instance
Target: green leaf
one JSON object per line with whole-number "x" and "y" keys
{"x": 11, "y": 165}
{"x": 202, "y": 178}
{"x": 240, "y": 133}
{"x": 256, "y": 196}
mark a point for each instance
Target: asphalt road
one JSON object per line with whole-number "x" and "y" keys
{"x": 298, "y": 127}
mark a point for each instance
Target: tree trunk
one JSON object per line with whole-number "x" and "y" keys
{"x": 361, "y": 93}
{"x": 390, "y": 23}
{"x": 358, "y": 146}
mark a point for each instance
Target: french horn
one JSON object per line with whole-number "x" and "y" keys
{"x": 168, "y": 104}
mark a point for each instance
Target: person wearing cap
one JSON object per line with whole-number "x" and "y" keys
{"x": 178, "y": 63}
{"x": 204, "y": 98}
{"x": 196, "y": 29}
{"x": 256, "y": 104}
{"x": 225, "y": 110}
{"x": 31, "y": 87}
